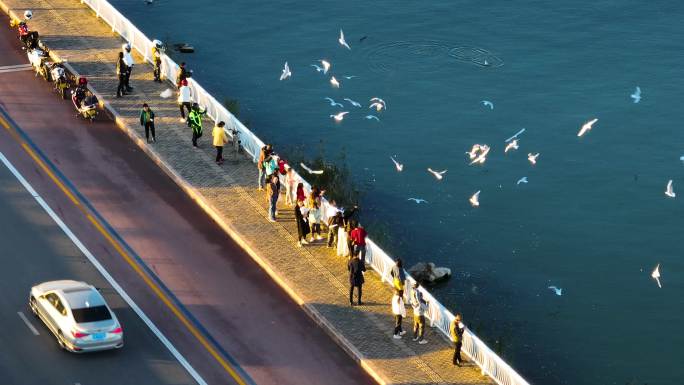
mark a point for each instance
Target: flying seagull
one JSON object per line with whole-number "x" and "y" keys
{"x": 475, "y": 199}
{"x": 372, "y": 117}
{"x": 482, "y": 157}
{"x": 669, "y": 191}
{"x": 378, "y": 103}
{"x": 556, "y": 290}
{"x": 353, "y": 103}
{"x": 438, "y": 174}
{"x": 342, "y": 41}
{"x": 532, "y": 157}
{"x": 473, "y": 151}
{"x": 512, "y": 145}
{"x": 326, "y": 65}
{"x": 656, "y": 275}
{"x": 586, "y": 127}
{"x": 310, "y": 171}
{"x": 286, "y": 72}
{"x": 334, "y": 103}
{"x": 418, "y": 200}
{"x": 317, "y": 67}
{"x": 350, "y": 77}
{"x": 339, "y": 116}
{"x": 489, "y": 104}
{"x": 636, "y": 95}
{"x": 399, "y": 166}
{"x": 521, "y": 180}
{"x": 515, "y": 136}
{"x": 334, "y": 82}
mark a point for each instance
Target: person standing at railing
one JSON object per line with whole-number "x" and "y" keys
{"x": 358, "y": 237}
{"x": 147, "y": 121}
{"x": 220, "y": 138}
{"x": 356, "y": 269}
{"x": 398, "y": 276}
{"x": 302, "y": 225}
{"x": 456, "y": 330}
{"x": 263, "y": 153}
{"x": 315, "y": 222}
{"x": 195, "y": 122}
{"x": 290, "y": 185}
{"x": 184, "y": 99}
{"x": 121, "y": 70}
{"x": 399, "y": 311}
{"x": 128, "y": 59}
{"x": 157, "y": 51}
{"x": 334, "y": 219}
{"x": 183, "y": 74}
{"x": 419, "y": 306}
{"x": 272, "y": 193}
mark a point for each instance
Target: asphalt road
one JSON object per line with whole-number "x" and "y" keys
{"x": 34, "y": 250}
{"x": 249, "y": 316}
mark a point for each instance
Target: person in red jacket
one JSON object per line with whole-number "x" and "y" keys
{"x": 358, "y": 237}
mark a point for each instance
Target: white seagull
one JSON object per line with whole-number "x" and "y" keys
{"x": 167, "y": 93}
{"x": 399, "y": 166}
{"x": 656, "y": 275}
{"x": 350, "y": 77}
{"x": 556, "y": 290}
{"x": 482, "y": 157}
{"x": 532, "y": 157}
{"x": 318, "y": 68}
{"x": 334, "y": 82}
{"x": 326, "y": 65}
{"x": 353, "y": 103}
{"x": 473, "y": 151}
{"x": 489, "y": 104}
{"x": 636, "y": 95}
{"x": 512, "y": 145}
{"x": 372, "y": 117}
{"x": 418, "y": 200}
{"x": 342, "y": 41}
{"x": 286, "y": 72}
{"x": 515, "y": 136}
{"x": 669, "y": 191}
{"x": 310, "y": 171}
{"x": 475, "y": 199}
{"x": 438, "y": 174}
{"x": 333, "y": 103}
{"x": 521, "y": 180}
{"x": 586, "y": 127}
{"x": 378, "y": 103}
{"x": 339, "y": 116}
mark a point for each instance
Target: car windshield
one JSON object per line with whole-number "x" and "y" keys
{"x": 91, "y": 314}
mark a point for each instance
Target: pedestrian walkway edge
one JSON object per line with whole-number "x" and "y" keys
{"x": 310, "y": 310}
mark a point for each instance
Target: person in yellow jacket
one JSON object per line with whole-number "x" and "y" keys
{"x": 457, "y": 328}
{"x": 220, "y": 139}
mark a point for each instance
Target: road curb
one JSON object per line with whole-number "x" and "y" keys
{"x": 208, "y": 208}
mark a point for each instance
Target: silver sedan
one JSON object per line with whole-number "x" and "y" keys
{"x": 77, "y": 315}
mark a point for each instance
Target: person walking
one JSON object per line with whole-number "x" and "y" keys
{"x": 419, "y": 306}
{"x": 195, "y": 122}
{"x": 457, "y": 328}
{"x": 358, "y": 237}
{"x": 356, "y": 269}
{"x": 184, "y": 99}
{"x": 220, "y": 139}
{"x": 121, "y": 70}
{"x": 157, "y": 51}
{"x": 128, "y": 59}
{"x": 147, "y": 121}
{"x": 272, "y": 193}
{"x": 399, "y": 311}
{"x": 302, "y": 225}
{"x": 398, "y": 276}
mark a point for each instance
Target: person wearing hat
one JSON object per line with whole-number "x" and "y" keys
{"x": 195, "y": 122}
{"x": 220, "y": 138}
{"x": 419, "y": 306}
{"x": 157, "y": 51}
{"x": 128, "y": 59}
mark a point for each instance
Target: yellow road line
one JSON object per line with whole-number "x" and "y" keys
{"x": 126, "y": 256}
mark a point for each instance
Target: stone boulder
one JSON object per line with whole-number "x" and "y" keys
{"x": 428, "y": 273}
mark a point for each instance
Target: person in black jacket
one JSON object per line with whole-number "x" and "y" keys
{"x": 302, "y": 225}
{"x": 356, "y": 268}
{"x": 121, "y": 71}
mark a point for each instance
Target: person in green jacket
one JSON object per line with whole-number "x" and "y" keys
{"x": 195, "y": 122}
{"x": 147, "y": 121}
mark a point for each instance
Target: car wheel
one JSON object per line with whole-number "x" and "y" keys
{"x": 60, "y": 340}
{"x": 32, "y": 305}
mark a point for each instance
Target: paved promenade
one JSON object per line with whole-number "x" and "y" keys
{"x": 312, "y": 275}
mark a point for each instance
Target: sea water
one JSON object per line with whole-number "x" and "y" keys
{"x": 593, "y": 219}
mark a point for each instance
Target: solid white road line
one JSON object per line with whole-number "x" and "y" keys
{"x": 28, "y": 324}
{"x": 104, "y": 273}
{"x": 15, "y": 68}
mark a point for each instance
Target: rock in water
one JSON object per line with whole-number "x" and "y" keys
{"x": 428, "y": 273}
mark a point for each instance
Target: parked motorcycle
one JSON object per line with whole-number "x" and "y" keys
{"x": 84, "y": 101}
{"x": 59, "y": 79}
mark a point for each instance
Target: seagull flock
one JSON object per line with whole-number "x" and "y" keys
{"x": 478, "y": 152}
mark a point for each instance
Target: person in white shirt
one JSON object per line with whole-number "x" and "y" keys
{"x": 399, "y": 311}
{"x": 128, "y": 59}
{"x": 184, "y": 99}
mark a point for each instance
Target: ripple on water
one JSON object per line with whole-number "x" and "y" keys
{"x": 415, "y": 56}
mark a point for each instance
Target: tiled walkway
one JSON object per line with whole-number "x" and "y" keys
{"x": 314, "y": 273}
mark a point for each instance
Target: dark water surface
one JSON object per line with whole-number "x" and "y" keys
{"x": 593, "y": 218}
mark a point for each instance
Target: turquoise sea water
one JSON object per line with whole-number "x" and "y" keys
{"x": 593, "y": 219}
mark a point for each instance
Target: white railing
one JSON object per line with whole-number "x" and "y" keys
{"x": 440, "y": 317}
